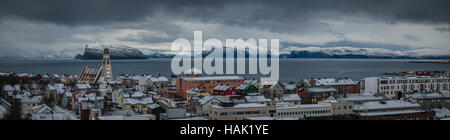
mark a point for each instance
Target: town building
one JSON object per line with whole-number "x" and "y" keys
{"x": 202, "y": 105}
{"x": 290, "y": 110}
{"x": 243, "y": 89}
{"x": 314, "y": 95}
{"x": 44, "y": 112}
{"x": 339, "y": 107}
{"x": 343, "y": 86}
{"x": 230, "y": 111}
{"x": 153, "y": 83}
{"x": 184, "y": 84}
{"x": 391, "y": 86}
{"x": 271, "y": 89}
{"x": 427, "y": 100}
{"x": 392, "y": 110}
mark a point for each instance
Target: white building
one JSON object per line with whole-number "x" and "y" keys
{"x": 391, "y": 86}
{"x": 289, "y": 110}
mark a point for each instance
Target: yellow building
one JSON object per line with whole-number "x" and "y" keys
{"x": 195, "y": 92}
{"x": 139, "y": 105}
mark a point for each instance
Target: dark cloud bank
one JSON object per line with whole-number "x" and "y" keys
{"x": 74, "y": 12}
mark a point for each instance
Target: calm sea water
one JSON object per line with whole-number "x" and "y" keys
{"x": 290, "y": 69}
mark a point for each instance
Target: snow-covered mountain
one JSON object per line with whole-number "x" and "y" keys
{"x": 95, "y": 52}
{"x": 350, "y": 52}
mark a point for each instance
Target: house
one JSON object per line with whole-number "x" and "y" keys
{"x": 224, "y": 90}
{"x": 194, "y": 92}
{"x": 343, "y": 86}
{"x": 243, "y": 89}
{"x": 271, "y": 89}
{"x": 88, "y": 106}
{"x": 138, "y": 104}
{"x": 28, "y": 103}
{"x": 44, "y": 112}
{"x": 151, "y": 83}
{"x": 201, "y": 105}
{"x": 314, "y": 95}
{"x": 291, "y": 98}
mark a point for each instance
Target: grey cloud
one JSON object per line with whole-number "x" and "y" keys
{"x": 73, "y": 12}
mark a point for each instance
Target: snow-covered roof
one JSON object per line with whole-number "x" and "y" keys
{"x": 8, "y": 88}
{"x": 153, "y": 106}
{"x": 159, "y": 79}
{"x": 291, "y": 86}
{"x": 42, "y": 109}
{"x": 362, "y": 97}
{"x": 243, "y": 87}
{"x": 251, "y": 82}
{"x": 383, "y": 113}
{"x": 89, "y": 97}
{"x": 193, "y": 91}
{"x": 83, "y": 86}
{"x": 206, "y": 99}
{"x": 17, "y": 87}
{"x": 34, "y": 99}
{"x": 321, "y": 90}
{"x": 223, "y": 87}
{"x": 291, "y": 97}
{"x": 256, "y": 99}
{"x": 424, "y": 95}
{"x": 442, "y": 113}
{"x": 134, "y": 101}
{"x": 137, "y": 93}
{"x": 384, "y": 105}
{"x": 216, "y": 78}
{"x": 335, "y": 81}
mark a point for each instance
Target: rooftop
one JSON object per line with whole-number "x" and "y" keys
{"x": 134, "y": 101}
{"x": 291, "y": 97}
{"x": 385, "y": 105}
{"x": 321, "y": 90}
{"x": 383, "y": 113}
{"x": 256, "y": 99}
{"x": 424, "y": 96}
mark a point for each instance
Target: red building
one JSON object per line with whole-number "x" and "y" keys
{"x": 206, "y": 83}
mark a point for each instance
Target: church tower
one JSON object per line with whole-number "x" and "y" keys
{"x": 106, "y": 66}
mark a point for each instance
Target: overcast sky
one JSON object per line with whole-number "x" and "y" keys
{"x": 60, "y": 28}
